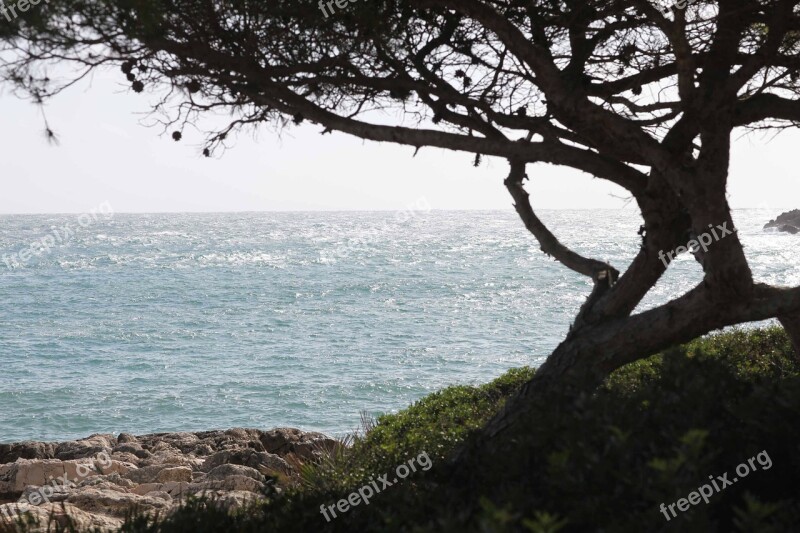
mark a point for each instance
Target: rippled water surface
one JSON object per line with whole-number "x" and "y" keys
{"x": 146, "y": 323}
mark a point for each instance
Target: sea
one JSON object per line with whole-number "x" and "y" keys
{"x": 146, "y": 323}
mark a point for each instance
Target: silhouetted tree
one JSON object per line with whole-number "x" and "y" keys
{"x": 627, "y": 91}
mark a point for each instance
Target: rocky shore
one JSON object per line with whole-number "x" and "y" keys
{"x": 97, "y": 480}
{"x": 788, "y": 222}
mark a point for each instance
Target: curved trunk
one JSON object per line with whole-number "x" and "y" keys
{"x": 591, "y": 353}
{"x": 791, "y": 323}
{"x": 605, "y": 336}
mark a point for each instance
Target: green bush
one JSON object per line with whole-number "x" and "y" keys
{"x": 653, "y": 434}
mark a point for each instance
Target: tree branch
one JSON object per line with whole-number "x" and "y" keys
{"x": 766, "y": 106}
{"x": 599, "y": 271}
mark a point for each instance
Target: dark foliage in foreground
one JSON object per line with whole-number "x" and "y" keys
{"x": 654, "y": 433}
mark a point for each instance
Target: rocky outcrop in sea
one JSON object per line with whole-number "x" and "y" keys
{"x": 788, "y": 222}
{"x": 97, "y": 480}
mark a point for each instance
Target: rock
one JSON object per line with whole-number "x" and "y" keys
{"x": 146, "y": 488}
{"x": 171, "y": 456}
{"x": 85, "y": 448}
{"x": 101, "y": 484}
{"x": 38, "y": 495}
{"x": 178, "y": 473}
{"x": 125, "y": 457}
{"x": 113, "y": 503}
{"x": 54, "y": 517}
{"x": 175, "y": 489}
{"x": 788, "y": 222}
{"x": 303, "y": 445}
{"x": 145, "y": 474}
{"x": 27, "y": 472}
{"x": 159, "y": 494}
{"x": 101, "y": 478}
{"x": 228, "y": 470}
{"x": 230, "y": 483}
{"x": 26, "y": 450}
{"x": 246, "y": 457}
{"x": 126, "y": 438}
{"x": 235, "y": 500}
{"x": 178, "y": 442}
{"x": 115, "y": 481}
{"x": 132, "y": 448}
{"x": 159, "y": 474}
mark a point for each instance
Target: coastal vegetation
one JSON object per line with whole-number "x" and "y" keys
{"x": 651, "y": 434}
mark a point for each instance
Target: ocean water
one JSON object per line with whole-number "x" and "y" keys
{"x": 167, "y": 322}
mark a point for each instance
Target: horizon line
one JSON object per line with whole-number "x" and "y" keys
{"x": 301, "y": 211}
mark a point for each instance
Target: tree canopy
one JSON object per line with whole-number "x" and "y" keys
{"x": 628, "y": 91}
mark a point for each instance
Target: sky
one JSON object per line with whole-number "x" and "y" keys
{"x": 106, "y": 154}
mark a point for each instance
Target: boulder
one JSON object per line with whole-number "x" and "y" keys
{"x": 175, "y": 474}
{"x": 304, "y": 445}
{"x": 132, "y": 448}
{"x": 230, "y": 501}
{"x": 160, "y": 495}
{"x": 125, "y": 457}
{"x": 38, "y": 472}
{"x": 174, "y": 489}
{"x": 85, "y": 448}
{"x": 171, "y": 456}
{"x": 125, "y": 438}
{"x": 26, "y": 450}
{"x": 115, "y": 481}
{"x": 246, "y": 457}
{"x": 230, "y": 483}
{"x": 159, "y": 474}
{"x": 788, "y": 222}
{"x": 229, "y": 470}
{"x": 114, "y": 503}
{"x": 39, "y": 495}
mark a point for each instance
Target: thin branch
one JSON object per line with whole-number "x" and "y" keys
{"x": 599, "y": 271}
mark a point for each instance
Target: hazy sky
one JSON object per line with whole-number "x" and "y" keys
{"x": 105, "y": 154}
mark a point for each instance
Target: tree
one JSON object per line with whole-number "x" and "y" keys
{"x": 642, "y": 95}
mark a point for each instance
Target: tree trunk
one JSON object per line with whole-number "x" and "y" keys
{"x": 605, "y": 336}
{"x": 591, "y": 353}
{"x": 791, "y": 323}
